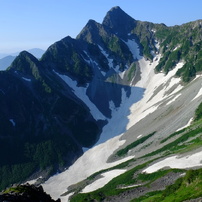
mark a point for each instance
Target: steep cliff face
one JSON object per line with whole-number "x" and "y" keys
{"x": 40, "y": 117}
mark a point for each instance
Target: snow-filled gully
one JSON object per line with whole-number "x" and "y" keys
{"x": 95, "y": 159}
{"x": 92, "y": 161}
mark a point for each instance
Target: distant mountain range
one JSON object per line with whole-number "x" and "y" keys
{"x": 129, "y": 91}
{"x": 6, "y": 60}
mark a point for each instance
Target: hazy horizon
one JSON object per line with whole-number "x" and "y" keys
{"x": 38, "y": 24}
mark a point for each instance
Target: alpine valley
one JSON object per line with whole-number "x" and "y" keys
{"x": 113, "y": 115}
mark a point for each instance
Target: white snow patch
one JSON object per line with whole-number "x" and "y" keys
{"x": 134, "y": 48}
{"x": 173, "y": 82}
{"x": 197, "y": 76}
{"x": 66, "y": 198}
{"x": 174, "y": 98}
{"x": 198, "y": 94}
{"x": 90, "y": 61}
{"x": 131, "y": 186}
{"x": 110, "y": 61}
{"x": 120, "y": 115}
{"x": 176, "y": 48}
{"x": 95, "y": 159}
{"x": 106, "y": 177}
{"x": 26, "y": 79}
{"x": 177, "y": 162}
{"x": 34, "y": 180}
{"x": 188, "y": 124}
{"x": 121, "y": 74}
{"x": 139, "y": 136}
{"x": 103, "y": 73}
{"x": 92, "y": 161}
{"x": 80, "y": 92}
{"x": 157, "y": 45}
{"x": 13, "y": 122}
{"x": 150, "y": 81}
{"x": 151, "y": 109}
{"x": 116, "y": 69}
{"x": 112, "y": 106}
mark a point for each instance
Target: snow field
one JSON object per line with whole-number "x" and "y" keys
{"x": 174, "y": 98}
{"x": 134, "y": 48}
{"x": 92, "y": 161}
{"x": 188, "y": 124}
{"x": 80, "y": 92}
{"x": 139, "y": 136}
{"x": 198, "y": 94}
{"x": 132, "y": 109}
{"x": 117, "y": 124}
{"x": 110, "y": 61}
{"x": 177, "y": 162}
{"x": 151, "y": 81}
{"x": 90, "y": 61}
{"x": 131, "y": 186}
{"x": 33, "y": 181}
{"x": 106, "y": 177}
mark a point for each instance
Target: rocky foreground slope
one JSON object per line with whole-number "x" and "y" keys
{"x": 24, "y": 193}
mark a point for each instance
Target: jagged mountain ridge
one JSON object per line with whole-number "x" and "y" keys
{"x": 7, "y": 59}
{"x": 73, "y": 82}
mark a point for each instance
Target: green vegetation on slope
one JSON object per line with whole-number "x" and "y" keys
{"x": 131, "y": 72}
{"x": 47, "y": 154}
{"x": 198, "y": 113}
{"x": 186, "y": 140}
{"x": 134, "y": 144}
{"x": 25, "y": 192}
{"x": 173, "y": 135}
{"x": 145, "y": 38}
{"x": 119, "y": 184}
{"x": 66, "y": 58}
{"x": 176, "y": 145}
{"x": 118, "y": 49}
{"x": 181, "y": 43}
{"x": 185, "y": 188}
{"x": 110, "y": 189}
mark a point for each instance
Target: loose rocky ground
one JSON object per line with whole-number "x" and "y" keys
{"x": 159, "y": 184}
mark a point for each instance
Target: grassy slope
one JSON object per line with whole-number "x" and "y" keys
{"x": 184, "y": 188}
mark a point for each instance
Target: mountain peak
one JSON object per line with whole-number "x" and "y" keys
{"x": 24, "y": 62}
{"x": 118, "y": 20}
{"x": 90, "y": 31}
{"x": 116, "y": 8}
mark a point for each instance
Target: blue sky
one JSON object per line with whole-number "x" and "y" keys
{"x": 39, "y": 23}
